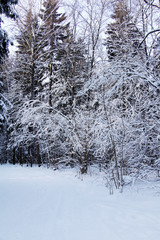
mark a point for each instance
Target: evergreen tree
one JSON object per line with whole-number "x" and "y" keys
{"x": 72, "y": 74}
{"x": 27, "y": 72}
{"x": 37, "y": 54}
{"x": 6, "y": 8}
{"x": 28, "y": 64}
{"x": 123, "y": 36}
{"x": 53, "y": 32}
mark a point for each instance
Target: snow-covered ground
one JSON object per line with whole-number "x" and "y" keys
{"x": 41, "y": 204}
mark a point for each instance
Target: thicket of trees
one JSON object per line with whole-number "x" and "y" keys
{"x": 85, "y": 89}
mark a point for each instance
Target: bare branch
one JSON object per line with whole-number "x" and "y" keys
{"x": 153, "y": 31}
{"x": 154, "y": 5}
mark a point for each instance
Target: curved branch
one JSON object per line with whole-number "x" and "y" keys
{"x": 154, "y": 5}
{"x": 153, "y": 31}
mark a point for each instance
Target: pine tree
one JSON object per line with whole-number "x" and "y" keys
{"x": 53, "y": 32}
{"x": 35, "y": 58}
{"x": 27, "y": 72}
{"x": 72, "y": 74}
{"x": 123, "y": 36}
{"x": 6, "y": 8}
{"x": 35, "y": 55}
{"x": 29, "y": 68}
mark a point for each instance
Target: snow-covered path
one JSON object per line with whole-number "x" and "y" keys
{"x": 40, "y": 204}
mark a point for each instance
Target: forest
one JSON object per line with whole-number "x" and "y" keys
{"x": 82, "y": 88}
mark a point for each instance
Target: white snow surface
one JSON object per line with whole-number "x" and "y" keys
{"x": 42, "y": 204}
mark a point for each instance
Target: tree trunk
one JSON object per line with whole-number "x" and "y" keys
{"x": 32, "y": 80}
{"x": 20, "y": 156}
{"x": 84, "y": 167}
{"x": 50, "y": 87}
{"x": 14, "y": 156}
{"x": 38, "y": 154}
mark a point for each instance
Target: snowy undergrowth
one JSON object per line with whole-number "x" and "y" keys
{"x": 42, "y": 204}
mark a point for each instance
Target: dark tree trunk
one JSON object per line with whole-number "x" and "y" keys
{"x": 84, "y": 167}
{"x": 50, "y": 87}
{"x": 14, "y": 156}
{"x": 32, "y": 80}
{"x": 20, "y": 156}
{"x": 38, "y": 154}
